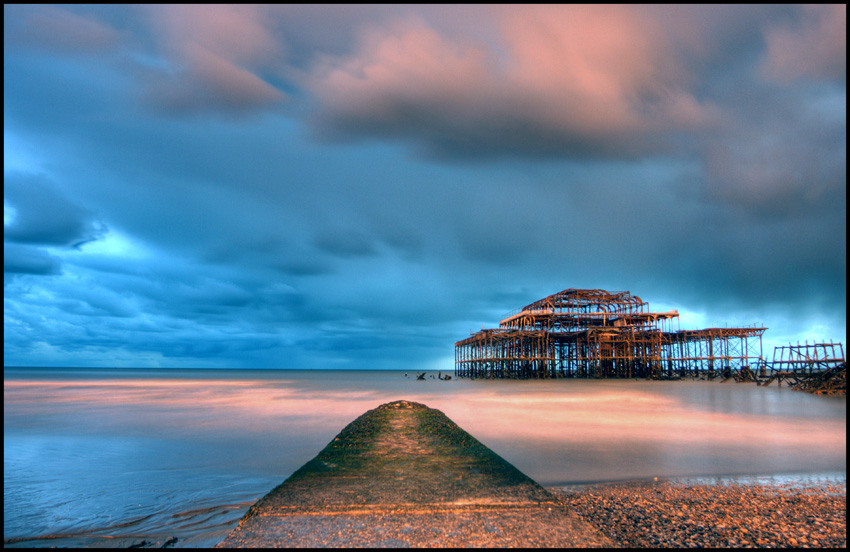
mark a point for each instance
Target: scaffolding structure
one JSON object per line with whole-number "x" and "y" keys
{"x": 593, "y": 333}
{"x": 807, "y": 358}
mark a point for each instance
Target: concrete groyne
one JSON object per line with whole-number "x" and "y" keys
{"x": 405, "y": 475}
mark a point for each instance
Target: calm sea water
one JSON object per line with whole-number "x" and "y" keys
{"x": 94, "y": 456}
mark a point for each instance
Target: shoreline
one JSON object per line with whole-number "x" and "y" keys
{"x": 645, "y": 513}
{"x": 740, "y": 513}
{"x": 800, "y": 478}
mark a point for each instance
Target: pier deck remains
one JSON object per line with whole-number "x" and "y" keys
{"x": 593, "y": 333}
{"x": 405, "y": 475}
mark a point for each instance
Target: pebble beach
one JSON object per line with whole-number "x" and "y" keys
{"x": 686, "y": 515}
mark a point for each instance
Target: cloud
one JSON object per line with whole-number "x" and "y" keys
{"x": 813, "y": 44}
{"x": 780, "y": 156}
{"x": 561, "y": 80}
{"x": 59, "y": 30}
{"x": 634, "y": 148}
{"x": 207, "y": 82}
{"x": 44, "y": 216}
{"x": 215, "y": 58}
{"x": 346, "y": 244}
{"x": 184, "y": 59}
{"x": 24, "y": 259}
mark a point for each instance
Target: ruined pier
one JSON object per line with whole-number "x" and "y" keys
{"x": 593, "y": 333}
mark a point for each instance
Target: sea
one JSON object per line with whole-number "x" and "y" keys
{"x": 114, "y": 457}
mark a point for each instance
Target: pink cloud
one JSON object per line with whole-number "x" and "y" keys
{"x": 572, "y": 74}
{"x": 412, "y": 66}
{"x": 57, "y": 29}
{"x": 597, "y": 67}
{"x": 239, "y": 33}
{"x": 813, "y": 46}
{"x": 217, "y": 54}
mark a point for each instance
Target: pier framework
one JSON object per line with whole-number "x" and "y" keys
{"x": 599, "y": 334}
{"x": 807, "y": 358}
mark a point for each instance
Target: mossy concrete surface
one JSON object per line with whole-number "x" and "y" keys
{"x": 404, "y": 475}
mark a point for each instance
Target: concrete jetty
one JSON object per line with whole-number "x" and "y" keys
{"x": 405, "y": 475}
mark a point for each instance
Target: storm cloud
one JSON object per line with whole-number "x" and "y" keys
{"x": 40, "y": 214}
{"x": 360, "y": 186}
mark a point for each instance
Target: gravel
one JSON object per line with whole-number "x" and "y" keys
{"x": 686, "y": 515}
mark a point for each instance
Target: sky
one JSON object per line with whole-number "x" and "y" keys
{"x": 361, "y": 186}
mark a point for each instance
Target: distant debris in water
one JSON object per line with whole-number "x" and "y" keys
{"x": 827, "y": 382}
{"x": 439, "y": 376}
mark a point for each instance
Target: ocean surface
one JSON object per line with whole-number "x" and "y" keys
{"x": 103, "y": 457}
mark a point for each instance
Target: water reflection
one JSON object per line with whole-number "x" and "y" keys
{"x": 85, "y": 452}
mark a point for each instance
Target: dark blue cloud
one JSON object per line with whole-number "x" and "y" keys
{"x": 23, "y": 259}
{"x": 43, "y": 216}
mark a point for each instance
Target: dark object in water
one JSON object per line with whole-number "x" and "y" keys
{"x": 421, "y": 376}
{"x": 822, "y": 382}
